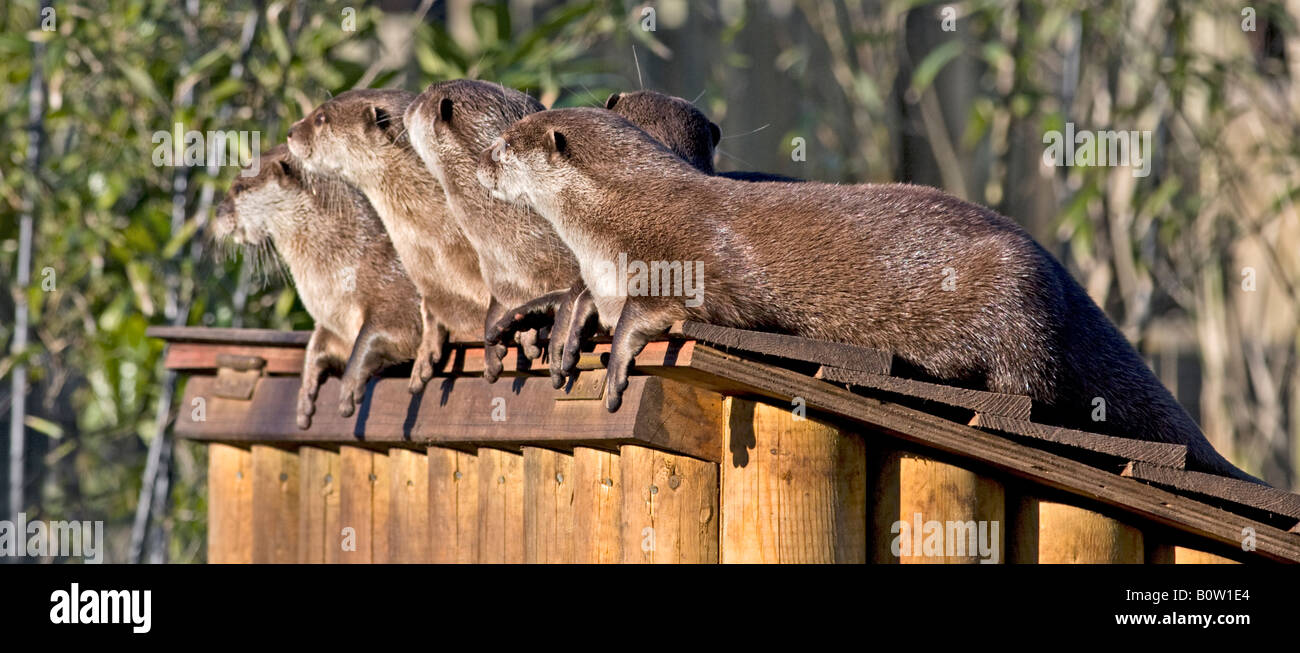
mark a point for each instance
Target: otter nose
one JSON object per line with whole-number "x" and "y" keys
{"x": 292, "y": 129}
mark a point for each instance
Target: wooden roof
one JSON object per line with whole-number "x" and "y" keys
{"x": 676, "y": 379}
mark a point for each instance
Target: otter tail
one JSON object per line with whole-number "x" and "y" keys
{"x": 1098, "y": 362}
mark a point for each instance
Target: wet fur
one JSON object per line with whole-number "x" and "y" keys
{"x": 861, "y": 264}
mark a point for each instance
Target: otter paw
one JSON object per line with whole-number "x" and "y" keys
{"x": 347, "y": 406}
{"x": 421, "y": 373}
{"x": 304, "y": 421}
{"x": 306, "y": 408}
{"x": 614, "y": 388}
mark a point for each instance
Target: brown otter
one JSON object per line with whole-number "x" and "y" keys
{"x": 952, "y": 288}
{"x": 358, "y": 137}
{"x": 343, "y": 267}
{"x": 682, "y": 128}
{"x": 519, "y": 253}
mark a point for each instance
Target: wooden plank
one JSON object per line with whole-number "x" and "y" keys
{"x": 501, "y": 507}
{"x": 657, "y": 412}
{"x": 1056, "y": 533}
{"x": 230, "y": 504}
{"x": 670, "y": 507}
{"x": 463, "y": 360}
{"x": 997, "y": 453}
{"x": 548, "y": 506}
{"x": 933, "y": 512}
{"x": 275, "y": 505}
{"x": 1013, "y": 406}
{"x": 222, "y": 335}
{"x": 597, "y": 507}
{"x": 408, "y": 516}
{"x": 833, "y": 354}
{"x": 363, "y": 505}
{"x": 1186, "y": 556}
{"x": 453, "y": 506}
{"x": 318, "y": 514}
{"x": 1160, "y": 453}
{"x": 793, "y": 490}
{"x": 1242, "y": 493}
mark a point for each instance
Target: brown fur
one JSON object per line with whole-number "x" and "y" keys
{"x": 359, "y": 137}
{"x": 862, "y": 264}
{"x": 519, "y": 253}
{"x": 343, "y": 266}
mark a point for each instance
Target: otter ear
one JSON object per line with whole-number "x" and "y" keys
{"x": 444, "y": 109}
{"x": 380, "y": 118}
{"x": 715, "y": 133}
{"x": 612, "y": 100}
{"x": 557, "y": 143}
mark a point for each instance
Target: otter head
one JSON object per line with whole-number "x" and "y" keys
{"x": 254, "y": 205}
{"x": 672, "y": 121}
{"x": 546, "y": 154}
{"x": 452, "y": 122}
{"x": 355, "y": 135}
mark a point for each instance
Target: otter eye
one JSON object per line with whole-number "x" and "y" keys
{"x": 320, "y": 119}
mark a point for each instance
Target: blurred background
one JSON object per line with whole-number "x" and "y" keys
{"x": 1196, "y": 262}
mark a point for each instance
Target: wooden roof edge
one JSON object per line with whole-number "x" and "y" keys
{"x": 1243, "y": 493}
{"x": 1127, "y": 495}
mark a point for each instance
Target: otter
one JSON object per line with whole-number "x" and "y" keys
{"x": 952, "y": 288}
{"x": 359, "y": 138}
{"x": 343, "y": 266}
{"x": 519, "y": 253}
{"x": 682, "y": 128}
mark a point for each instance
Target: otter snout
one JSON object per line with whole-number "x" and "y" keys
{"x": 299, "y": 139}
{"x": 226, "y": 223}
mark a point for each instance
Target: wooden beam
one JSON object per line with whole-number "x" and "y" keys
{"x": 230, "y": 504}
{"x": 1013, "y": 406}
{"x": 318, "y": 510}
{"x": 597, "y": 507}
{"x": 834, "y": 354}
{"x": 1053, "y": 471}
{"x": 670, "y": 507}
{"x": 1160, "y": 453}
{"x": 501, "y": 507}
{"x": 548, "y": 506}
{"x": 932, "y": 512}
{"x": 453, "y": 506}
{"x": 793, "y": 489}
{"x": 1242, "y": 493}
{"x": 1057, "y": 533}
{"x": 275, "y": 505}
{"x": 363, "y": 505}
{"x": 468, "y": 411}
{"x": 408, "y": 516}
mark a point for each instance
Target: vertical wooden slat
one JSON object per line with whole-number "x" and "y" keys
{"x": 548, "y": 506}
{"x": 363, "y": 504}
{"x": 597, "y": 507}
{"x": 453, "y": 506}
{"x": 793, "y": 491}
{"x": 936, "y": 505}
{"x": 670, "y": 507}
{"x": 230, "y": 504}
{"x": 1057, "y": 533}
{"x": 408, "y": 517}
{"x": 1186, "y": 556}
{"x": 501, "y": 507}
{"x": 275, "y": 505}
{"x": 318, "y": 514}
